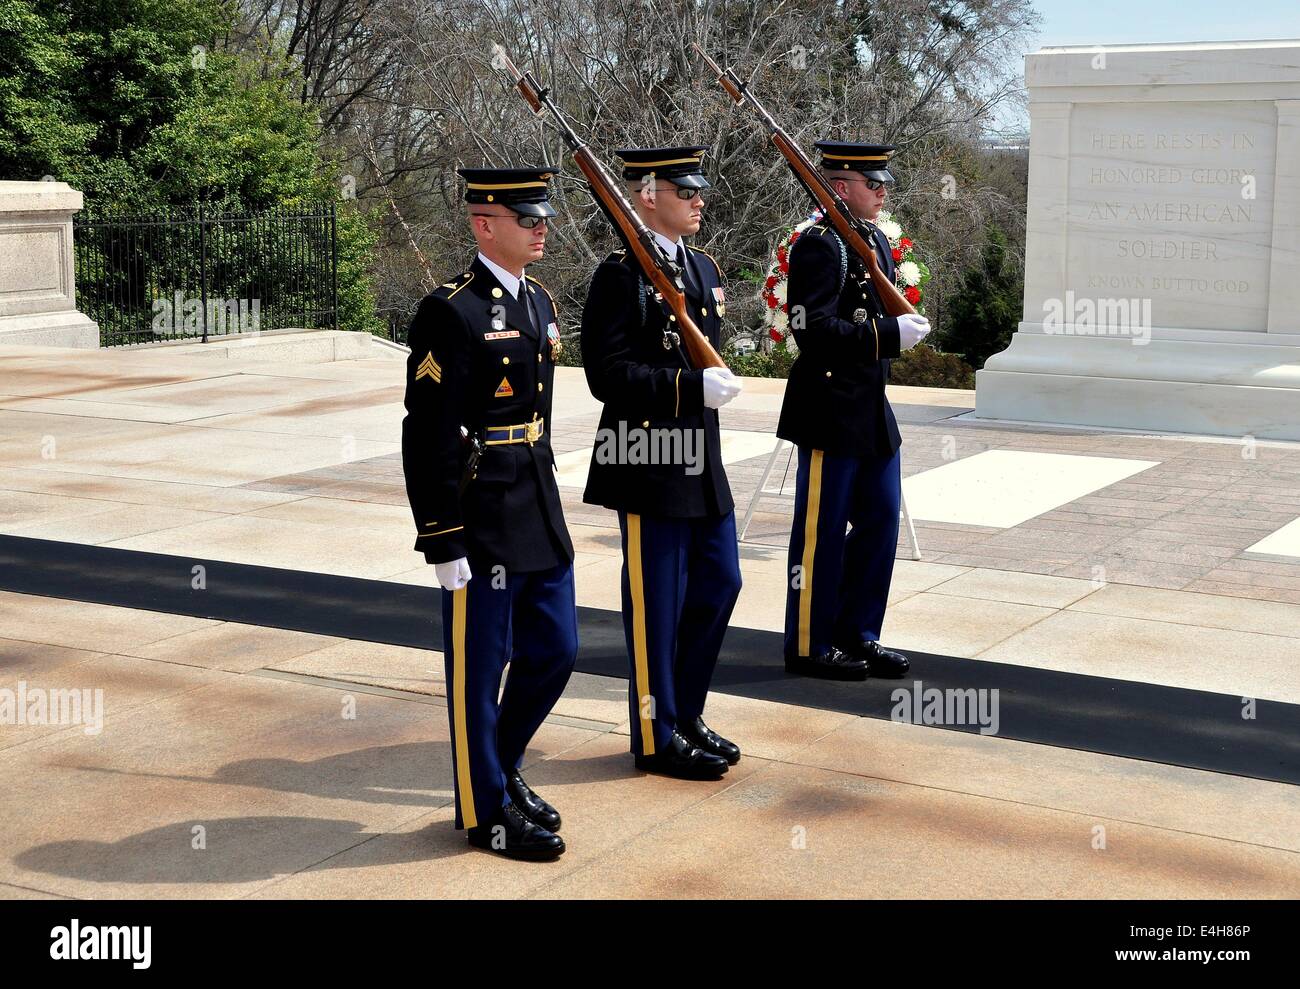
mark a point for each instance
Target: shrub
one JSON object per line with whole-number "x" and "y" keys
{"x": 773, "y": 364}
{"x": 925, "y": 367}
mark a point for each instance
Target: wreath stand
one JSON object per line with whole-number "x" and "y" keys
{"x": 762, "y": 490}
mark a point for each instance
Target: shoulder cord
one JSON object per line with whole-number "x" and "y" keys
{"x": 641, "y": 294}
{"x": 844, "y": 258}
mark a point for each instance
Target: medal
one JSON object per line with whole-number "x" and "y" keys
{"x": 553, "y": 338}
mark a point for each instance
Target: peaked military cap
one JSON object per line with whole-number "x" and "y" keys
{"x": 872, "y": 160}
{"x": 680, "y": 166}
{"x": 524, "y": 190}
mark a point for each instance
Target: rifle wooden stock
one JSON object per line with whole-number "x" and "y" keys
{"x": 855, "y": 231}
{"x": 663, "y": 272}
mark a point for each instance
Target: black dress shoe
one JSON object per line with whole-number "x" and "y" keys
{"x": 683, "y": 759}
{"x": 530, "y": 804}
{"x": 881, "y": 662}
{"x": 830, "y": 665}
{"x": 710, "y": 741}
{"x": 513, "y": 835}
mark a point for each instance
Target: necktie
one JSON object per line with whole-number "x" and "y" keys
{"x": 688, "y": 276}
{"x": 527, "y": 304}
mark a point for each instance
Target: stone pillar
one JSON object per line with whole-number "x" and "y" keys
{"x": 1049, "y": 198}
{"x": 1284, "y": 286}
{"x": 37, "y": 281}
{"x": 1162, "y": 278}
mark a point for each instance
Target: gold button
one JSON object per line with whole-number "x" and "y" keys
{"x": 828, "y": 374}
{"x": 539, "y": 358}
{"x": 646, "y": 423}
{"x": 496, "y": 293}
{"x": 505, "y": 360}
{"x": 490, "y": 198}
{"x": 540, "y": 386}
{"x": 672, "y": 317}
{"x": 704, "y": 312}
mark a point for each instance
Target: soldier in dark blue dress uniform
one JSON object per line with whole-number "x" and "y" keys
{"x": 480, "y": 477}
{"x": 836, "y": 413}
{"x": 681, "y": 568}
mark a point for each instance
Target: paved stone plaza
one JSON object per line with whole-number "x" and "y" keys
{"x": 1143, "y": 559}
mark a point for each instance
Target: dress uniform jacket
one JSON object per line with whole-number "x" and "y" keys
{"x": 477, "y": 361}
{"x": 835, "y": 398}
{"x": 646, "y": 386}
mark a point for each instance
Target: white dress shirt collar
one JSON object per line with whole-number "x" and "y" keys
{"x": 669, "y": 246}
{"x": 508, "y": 281}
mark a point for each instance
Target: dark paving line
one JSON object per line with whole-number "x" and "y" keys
{"x": 1154, "y": 723}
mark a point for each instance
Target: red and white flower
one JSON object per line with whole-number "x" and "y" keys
{"x": 910, "y": 273}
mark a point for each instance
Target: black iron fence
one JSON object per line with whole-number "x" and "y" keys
{"x": 192, "y": 273}
{"x": 398, "y": 319}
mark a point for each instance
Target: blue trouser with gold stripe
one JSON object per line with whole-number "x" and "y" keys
{"x": 530, "y": 622}
{"x": 838, "y": 585}
{"x": 681, "y": 578}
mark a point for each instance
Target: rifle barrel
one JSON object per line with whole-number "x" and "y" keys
{"x": 659, "y": 268}
{"x": 499, "y": 52}
{"x": 856, "y": 232}
{"x": 708, "y": 61}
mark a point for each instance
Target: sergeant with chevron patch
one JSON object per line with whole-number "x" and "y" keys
{"x": 480, "y": 476}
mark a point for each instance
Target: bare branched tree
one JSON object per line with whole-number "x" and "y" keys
{"x": 409, "y": 92}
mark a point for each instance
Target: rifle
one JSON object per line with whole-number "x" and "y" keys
{"x": 663, "y": 272}
{"x": 856, "y": 232}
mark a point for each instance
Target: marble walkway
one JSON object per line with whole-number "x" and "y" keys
{"x": 241, "y": 760}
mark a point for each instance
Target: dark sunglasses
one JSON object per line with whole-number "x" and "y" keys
{"x": 525, "y": 221}
{"x": 683, "y": 192}
{"x": 872, "y": 184}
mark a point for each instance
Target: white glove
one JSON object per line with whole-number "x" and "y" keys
{"x": 453, "y": 575}
{"x": 720, "y": 386}
{"x": 912, "y": 330}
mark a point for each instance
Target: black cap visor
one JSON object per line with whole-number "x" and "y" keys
{"x": 692, "y": 181}
{"x": 544, "y": 209}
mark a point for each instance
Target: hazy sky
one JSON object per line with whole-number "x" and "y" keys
{"x": 1119, "y": 22}
{"x": 1090, "y": 22}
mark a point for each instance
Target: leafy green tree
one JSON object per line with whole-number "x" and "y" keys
{"x": 139, "y": 104}
{"x": 356, "y": 239}
{"x": 41, "y": 129}
{"x": 984, "y": 312}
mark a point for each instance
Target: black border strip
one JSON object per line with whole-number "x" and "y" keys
{"x": 1151, "y": 722}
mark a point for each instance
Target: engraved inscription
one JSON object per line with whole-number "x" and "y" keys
{"x": 1174, "y": 203}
